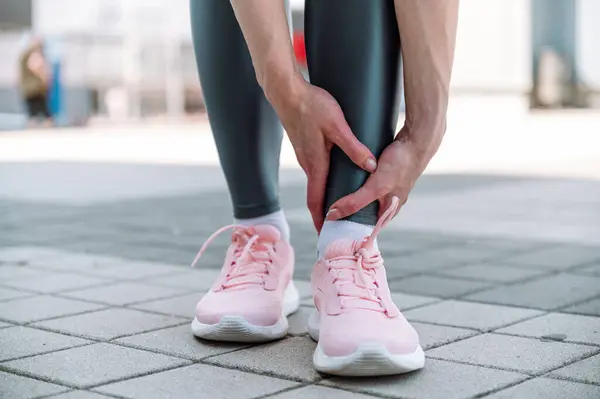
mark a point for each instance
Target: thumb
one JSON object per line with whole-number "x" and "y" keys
{"x": 359, "y": 153}
{"x": 350, "y": 204}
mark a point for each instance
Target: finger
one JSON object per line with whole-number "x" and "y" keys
{"x": 315, "y": 193}
{"x": 359, "y": 153}
{"x": 371, "y": 191}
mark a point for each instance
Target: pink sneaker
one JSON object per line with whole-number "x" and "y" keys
{"x": 254, "y": 293}
{"x": 360, "y": 330}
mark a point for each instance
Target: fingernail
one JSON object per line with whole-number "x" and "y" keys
{"x": 371, "y": 165}
{"x": 333, "y": 214}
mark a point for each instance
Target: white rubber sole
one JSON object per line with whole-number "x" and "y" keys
{"x": 367, "y": 360}
{"x": 237, "y": 329}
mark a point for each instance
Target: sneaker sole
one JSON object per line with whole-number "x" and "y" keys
{"x": 235, "y": 328}
{"x": 367, "y": 360}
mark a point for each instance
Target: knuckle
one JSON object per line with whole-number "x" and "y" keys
{"x": 350, "y": 206}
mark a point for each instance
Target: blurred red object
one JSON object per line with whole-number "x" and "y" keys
{"x": 299, "y": 48}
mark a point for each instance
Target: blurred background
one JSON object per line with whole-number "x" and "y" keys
{"x": 132, "y": 59}
{"x": 123, "y": 90}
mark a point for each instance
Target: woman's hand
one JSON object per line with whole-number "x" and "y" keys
{"x": 314, "y": 123}
{"x": 399, "y": 167}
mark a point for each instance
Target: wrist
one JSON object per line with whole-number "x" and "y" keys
{"x": 424, "y": 136}
{"x": 283, "y": 89}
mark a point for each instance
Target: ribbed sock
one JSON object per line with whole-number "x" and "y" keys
{"x": 276, "y": 219}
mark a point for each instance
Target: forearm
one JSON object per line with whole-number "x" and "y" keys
{"x": 428, "y": 37}
{"x": 265, "y": 28}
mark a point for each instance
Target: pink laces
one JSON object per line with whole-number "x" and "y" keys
{"x": 362, "y": 264}
{"x": 252, "y": 261}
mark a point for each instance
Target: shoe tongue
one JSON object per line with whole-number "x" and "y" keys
{"x": 341, "y": 247}
{"x": 267, "y": 232}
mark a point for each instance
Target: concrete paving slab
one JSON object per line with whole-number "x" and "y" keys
{"x": 442, "y": 287}
{"x": 544, "y": 293}
{"x": 179, "y": 341}
{"x": 557, "y": 258}
{"x": 198, "y": 381}
{"x": 43, "y": 307}
{"x": 512, "y": 353}
{"x": 431, "y": 335}
{"x": 472, "y": 315}
{"x": 93, "y": 365}
{"x": 7, "y": 294}
{"x": 16, "y": 386}
{"x": 319, "y": 392}
{"x": 197, "y": 280}
{"x": 183, "y": 306}
{"x": 438, "y": 380}
{"x": 48, "y": 283}
{"x": 492, "y": 273}
{"x": 289, "y": 358}
{"x": 24, "y": 341}
{"x": 80, "y": 395}
{"x": 583, "y": 371}
{"x": 576, "y": 328}
{"x": 120, "y": 294}
{"x": 591, "y": 308}
{"x": 109, "y": 323}
{"x": 545, "y": 388}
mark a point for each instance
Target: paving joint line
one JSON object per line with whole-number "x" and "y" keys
{"x": 581, "y": 302}
{"x": 28, "y": 295}
{"x": 47, "y": 352}
{"x": 358, "y": 389}
{"x": 28, "y": 323}
{"x": 480, "y": 330}
{"x": 87, "y": 287}
{"x": 487, "y": 366}
{"x": 571, "y": 379}
{"x": 505, "y": 387}
{"x": 159, "y": 298}
{"x": 138, "y": 375}
{"x": 265, "y": 373}
{"x": 582, "y": 343}
{"x": 285, "y": 390}
{"x": 172, "y": 354}
{"x": 103, "y": 340}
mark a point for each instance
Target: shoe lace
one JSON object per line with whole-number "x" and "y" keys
{"x": 252, "y": 256}
{"x": 362, "y": 264}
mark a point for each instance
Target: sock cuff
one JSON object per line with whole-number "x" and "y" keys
{"x": 333, "y": 230}
{"x": 276, "y": 219}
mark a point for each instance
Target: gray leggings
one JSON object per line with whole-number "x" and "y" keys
{"x": 353, "y": 51}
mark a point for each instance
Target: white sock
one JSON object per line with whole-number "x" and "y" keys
{"x": 333, "y": 230}
{"x": 276, "y": 219}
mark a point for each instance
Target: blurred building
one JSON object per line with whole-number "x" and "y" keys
{"x": 134, "y": 58}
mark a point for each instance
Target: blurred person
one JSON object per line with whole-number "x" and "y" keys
{"x": 342, "y": 127}
{"x": 35, "y": 82}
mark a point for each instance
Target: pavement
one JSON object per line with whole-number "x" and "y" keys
{"x": 497, "y": 269}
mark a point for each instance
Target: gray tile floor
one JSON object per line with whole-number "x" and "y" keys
{"x": 95, "y": 302}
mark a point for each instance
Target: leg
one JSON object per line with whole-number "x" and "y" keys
{"x": 245, "y": 127}
{"x": 254, "y": 291}
{"x": 353, "y": 51}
